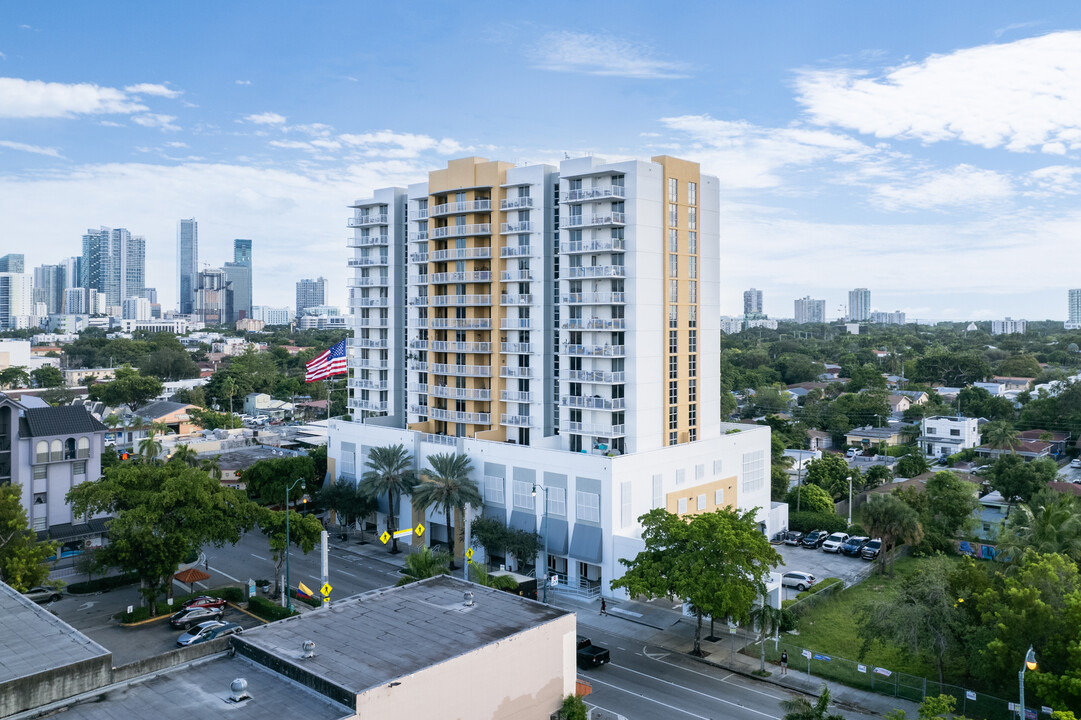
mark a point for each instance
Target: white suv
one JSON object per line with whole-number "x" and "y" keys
{"x": 834, "y": 542}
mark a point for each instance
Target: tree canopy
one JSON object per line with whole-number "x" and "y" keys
{"x": 265, "y": 481}
{"x": 127, "y": 388}
{"x": 23, "y": 560}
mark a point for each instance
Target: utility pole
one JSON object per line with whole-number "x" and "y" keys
{"x": 324, "y": 577}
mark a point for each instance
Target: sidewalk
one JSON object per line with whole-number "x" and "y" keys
{"x": 372, "y": 549}
{"x": 657, "y": 623}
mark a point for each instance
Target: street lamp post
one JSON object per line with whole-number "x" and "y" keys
{"x": 288, "y": 591}
{"x": 545, "y": 598}
{"x": 1029, "y": 664}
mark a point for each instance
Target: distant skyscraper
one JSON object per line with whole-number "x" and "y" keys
{"x": 187, "y": 264}
{"x": 114, "y": 264}
{"x": 16, "y": 300}
{"x": 752, "y": 301}
{"x": 75, "y": 301}
{"x": 214, "y": 297}
{"x": 272, "y": 315}
{"x": 1074, "y": 309}
{"x": 151, "y": 294}
{"x": 49, "y": 286}
{"x": 310, "y": 293}
{"x": 859, "y": 304}
{"x": 13, "y": 263}
{"x": 242, "y": 251}
{"x": 810, "y": 311}
{"x": 238, "y": 275}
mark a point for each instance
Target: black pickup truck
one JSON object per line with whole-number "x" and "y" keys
{"x": 591, "y": 656}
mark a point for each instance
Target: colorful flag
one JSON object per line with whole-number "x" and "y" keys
{"x": 303, "y": 590}
{"x": 331, "y": 362}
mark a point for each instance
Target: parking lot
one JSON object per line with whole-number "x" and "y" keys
{"x": 822, "y": 565}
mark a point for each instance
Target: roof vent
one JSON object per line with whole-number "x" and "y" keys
{"x": 238, "y": 690}
{"x": 468, "y": 598}
{"x": 307, "y": 649}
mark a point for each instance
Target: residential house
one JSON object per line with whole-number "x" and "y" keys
{"x": 819, "y": 440}
{"x": 172, "y": 414}
{"x": 263, "y": 404}
{"x": 1058, "y": 439}
{"x": 899, "y": 403}
{"x": 990, "y": 515}
{"x": 996, "y": 389}
{"x": 916, "y": 397}
{"x": 943, "y": 435}
{"x": 1014, "y": 383}
{"x": 801, "y": 459}
{"x": 80, "y": 376}
{"x": 870, "y": 437}
{"x": 1029, "y": 450}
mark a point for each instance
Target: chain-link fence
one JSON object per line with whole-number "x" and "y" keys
{"x": 970, "y": 703}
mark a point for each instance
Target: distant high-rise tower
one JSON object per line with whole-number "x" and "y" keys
{"x": 187, "y": 264}
{"x": 238, "y": 275}
{"x": 859, "y": 305}
{"x": 13, "y": 263}
{"x": 1075, "y": 309}
{"x": 810, "y": 311}
{"x": 49, "y": 286}
{"x": 114, "y": 264}
{"x": 16, "y": 300}
{"x": 311, "y": 293}
{"x": 752, "y": 301}
{"x": 213, "y": 297}
{"x": 242, "y": 251}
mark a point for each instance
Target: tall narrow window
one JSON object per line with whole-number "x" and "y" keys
{"x": 673, "y": 215}
{"x": 673, "y": 265}
{"x": 692, "y": 193}
{"x": 673, "y": 190}
{"x": 692, "y": 218}
{"x": 673, "y": 241}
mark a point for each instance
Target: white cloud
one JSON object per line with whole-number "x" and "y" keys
{"x": 1054, "y": 180}
{"x": 243, "y": 82}
{"x": 36, "y": 149}
{"x": 176, "y": 144}
{"x": 153, "y": 89}
{"x": 1022, "y": 95}
{"x": 110, "y": 123}
{"x": 389, "y": 144}
{"x": 291, "y": 144}
{"x": 36, "y": 99}
{"x": 600, "y": 54}
{"x": 267, "y": 118}
{"x": 963, "y": 185}
{"x": 3, "y": 56}
{"x": 165, "y": 122}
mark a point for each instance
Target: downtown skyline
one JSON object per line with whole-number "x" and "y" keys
{"x": 928, "y": 153}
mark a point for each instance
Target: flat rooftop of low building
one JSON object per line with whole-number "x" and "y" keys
{"x": 35, "y": 640}
{"x": 245, "y": 457}
{"x": 368, "y": 640}
{"x": 201, "y": 690}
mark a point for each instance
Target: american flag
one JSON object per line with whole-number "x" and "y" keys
{"x": 332, "y": 362}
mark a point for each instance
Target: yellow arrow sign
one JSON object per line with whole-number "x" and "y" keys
{"x": 326, "y": 589}
{"x": 469, "y": 554}
{"x": 419, "y": 529}
{"x": 385, "y": 537}
{"x": 401, "y": 533}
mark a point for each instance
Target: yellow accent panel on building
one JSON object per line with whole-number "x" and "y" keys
{"x": 692, "y": 492}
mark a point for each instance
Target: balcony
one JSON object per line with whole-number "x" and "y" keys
{"x": 516, "y": 275}
{"x": 593, "y": 376}
{"x": 597, "y": 271}
{"x": 371, "y": 302}
{"x": 511, "y": 251}
{"x": 453, "y": 393}
{"x": 376, "y": 281}
{"x": 515, "y": 228}
{"x": 594, "y": 350}
{"x": 370, "y": 322}
{"x": 370, "y": 405}
{"x": 461, "y": 347}
{"x": 476, "y": 253}
{"x": 516, "y": 348}
{"x": 418, "y": 214}
{"x": 419, "y": 301}
{"x": 368, "y": 384}
{"x": 593, "y": 298}
{"x": 516, "y": 420}
{"x": 418, "y": 365}
{"x": 593, "y": 246}
{"x": 370, "y": 363}
{"x": 418, "y": 257}
{"x": 515, "y": 396}
{"x": 461, "y": 370}
{"x": 508, "y": 371}
{"x": 515, "y": 323}
{"x": 372, "y": 343}
{"x": 460, "y": 323}
{"x": 461, "y": 300}
{"x": 457, "y": 416}
{"x": 577, "y": 221}
{"x": 449, "y": 231}
{"x": 456, "y": 208}
{"x": 418, "y": 279}
{"x": 368, "y": 240}
{"x": 418, "y": 236}
{"x": 418, "y": 344}
{"x": 515, "y": 299}
{"x": 595, "y": 324}
{"x": 595, "y": 402}
{"x": 595, "y": 193}
{"x": 368, "y": 261}
{"x": 444, "y": 278}
{"x": 417, "y": 409}
{"x": 516, "y": 203}
{"x": 367, "y": 220}
{"x": 596, "y": 430}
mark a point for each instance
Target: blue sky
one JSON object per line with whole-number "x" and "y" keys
{"x": 928, "y": 151}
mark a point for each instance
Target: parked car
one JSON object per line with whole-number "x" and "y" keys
{"x": 854, "y": 545}
{"x": 799, "y": 580}
{"x": 872, "y": 549}
{"x": 590, "y": 655}
{"x": 833, "y": 543}
{"x": 207, "y": 631}
{"x": 852, "y": 452}
{"x": 41, "y": 593}
{"x": 794, "y": 537}
{"x": 1075, "y": 463}
{"x": 204, "y": 601}
{"x": 814, "y": 539}
{"x": 194, "y": 615}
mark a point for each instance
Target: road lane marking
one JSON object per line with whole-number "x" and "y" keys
{"x": 222, "y": 572}
{"x": 259, "y": 557}
{"x": 338, "y": 571}
{"x": 594, "y": 681}
{"x": 696, "y": 692}
{"x": 724, "y": 679}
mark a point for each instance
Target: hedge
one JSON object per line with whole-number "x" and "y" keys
{"x": 268, "y": 610}
{"x": 102, "y": 584}
{"x": 808, "y": 521}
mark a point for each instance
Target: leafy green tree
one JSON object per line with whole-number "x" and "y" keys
{"x": 717, "y": 561}
{"x": 1019, "y": 481}
{"x": 127, "y": 388}
{"x": 305, "y": 532}
{"x": 211, "y": 420}
{"x": 888, "y": 518}
{"x": 14, "y": 377}
{"x": 810, "y": 498}
{"x": 949, "y": 507}
{"x": 348, "y": 504}
{"x": 183, "y": 453}
{"x": 447, "y": 485}
{"x": 390, "y": 473}
{"x": 229, "y": 389}
{"x": 425, "y": 563}
{"x": 978, "y": 403}
{"x": 830, "y": 473}
{"x": 1050, "y": 524}
{"x": 161, "y": 515}
{"x": 1021, "y": 365}
{"x": 212, "y": 467}
{"x": 954, "y": 369}
{"x": 866, "y": 377}
{"x": 911, "y": 465}
{"x": 92, "y": 561}
{"x": 266, "y": 480}
{"x": 480, "y": 575}
{"x": 800, "y": 708}
{"x": 47, "y": 376}
{"x": 169, "y": 364}
{"x": 23, "y": 560}
{"x": 779, "y": 481}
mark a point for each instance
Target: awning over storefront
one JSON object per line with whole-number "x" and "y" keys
{"x": 522, "y": 520}
{"x": 554, "y": 533}
{"x": 66, "y": 532}
{"x": 586, "y": 544}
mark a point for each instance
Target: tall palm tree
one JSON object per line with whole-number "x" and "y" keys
{"x": 1001, "y": 434}
{"x": 1051, "y": 523}
{"x": 768, "y": 620}
{"x": 212, "y": 468}
{"x": 183, "y": 453}
{"x": 390, "y": 473}
{"x": 112, "y": 421}
{"x": 447, "y": 485}
{"x": 149, "y": 447}
{"x": 888, "y": 517}
{"x": 801, "y": 709}
{"x": 425, "y": 564}
{"x": 228, "y": 388}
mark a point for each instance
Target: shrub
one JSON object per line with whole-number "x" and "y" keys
{"x": 268, "y": 610}
{"x": 103, "y": 584}
{"x": 856, "y": 530}
{"x": 231, "y": 594}
{"x": 137, "y": 615}
{"x": 808, "y": 521}
{"x": 573, "y": 709}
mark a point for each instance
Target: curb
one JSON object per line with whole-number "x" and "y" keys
{"x": 237, "y": 607}
{"x": 147, "y": 621}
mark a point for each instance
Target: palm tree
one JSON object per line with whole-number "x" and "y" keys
{"x": 183, "y": 453}
{"x": 447, "y": 485}
{"x": 112, "y": 421}
{"x": 425, "y": 564}
{"x": 1051, "y": 523}
{"x": 1001, "y": 435}
{"x": 480, "y": 575}
{"x": 390, "y": 473}
{"x": 768, "y": 620}
{"x": 801, "y": 709}
{"x": 212, "y": 468}
{"x": 893, "y": 521}
{"x": 228, "y": 388}
{"x": 149, "y": 448}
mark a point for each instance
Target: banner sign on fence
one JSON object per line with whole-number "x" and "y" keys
{"x": 1012, "y": 707}
{"x": 820, "y": 656}
{"x": 883, "y": 671}
{"x": 806, "y": 653}
{"x": 970, "y": 694}
{"x": 862, "y": 668}
{"x": 1046, "y": 710}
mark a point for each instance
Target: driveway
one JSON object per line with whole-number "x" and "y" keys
{"x": 822, "y": 565}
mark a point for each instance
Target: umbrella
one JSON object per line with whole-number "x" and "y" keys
{"x": 191, "y": 576}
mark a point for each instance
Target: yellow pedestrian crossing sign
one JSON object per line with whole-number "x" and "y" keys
{"x": 326, "y": 589}
{"x": 420, "y": 529}
{"x": 469, "y": 554}
{"x": 385, "y": 537}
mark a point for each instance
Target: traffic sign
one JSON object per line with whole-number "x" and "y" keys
{"x": 326, "y": 589}
{"x": 403, "y": 533}
{"x": 385, "y": 537}
{"x": 420, "y": 529}
{"x": 469, "y": 554}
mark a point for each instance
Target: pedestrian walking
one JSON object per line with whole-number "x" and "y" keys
{"x": 207, "y": 560}
{"x": 604, "y": 607}
{"x": 784, "y": 662}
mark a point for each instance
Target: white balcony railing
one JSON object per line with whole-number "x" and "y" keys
{"x": 472, "y": 418}
{"x": 594, "y": 246}
{"x": 366, "y": 220}
{"x": 453, "y": 393}
{"x": 516, "y": 275}
{"x": 371, "y": 405}
{"x": 418, "y": 344}
{"x": 592, "y": 298}
{"x": 515, "y": 203}
{"x": 476, "y": 253}
{"x": 455, "y": 208}
{"x": 460, "y": 277}
{"x": 515, "y": 372}
{"x": 460, "y": 300}
{"x": 371, "y": 302}
{"x": 515, "y": 396}
{"x": 573, "y": 221}
{"x": 460, "y": 347}
{"x": 368, "y": 384}
{"x": 461, "y": 230}
{"x": 513, "y": 228}
{"x": 418, "y": 365}
{"x": 516, "y": 348}
{"x": 595, "y": 193}
{"x": 597, "y": 430}
{"x": 418, "y": 236}
{"x": 594, "y": 324}
{"x": 378, "y": 344}
{"x": 515, "y": 323}
{"x": 515, "y": 299}
{"x": 370, "y": 260}
{"x": 418, "y": 257}
{"x": 419, "y": 301}
{"x": 594, "y": 350}
{"x": 368, "y": 240}
{"x": 418, "y": 214}
{"x": 370, "y": 281}
{"x": 461, "y": 370}
{"x": 597, "y": 271}
{"x": 516, "y": 420}
{"x": 593, "y": 403}
{"x": 460, "y": 323}
{"x": 594, "y": 376}
{"x": 368, "y": 322}
{"x": 516, "y": 251}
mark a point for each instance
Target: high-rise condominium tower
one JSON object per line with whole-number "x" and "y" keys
{"x": 49, "y": 287}
{"x": 859, "y": 305}
{"x": 810, "y": 311}
{"x": 242, "y": 251}
{"x": 752, "y": 301}
{"x": 1074, "y": 309}
{"x": 239, "y": 273}
{"x": 114, "y": 264}
{"x": 13, "y": 263}
{"x": 311, "y": 293}
{"x": 187, "y": 264}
